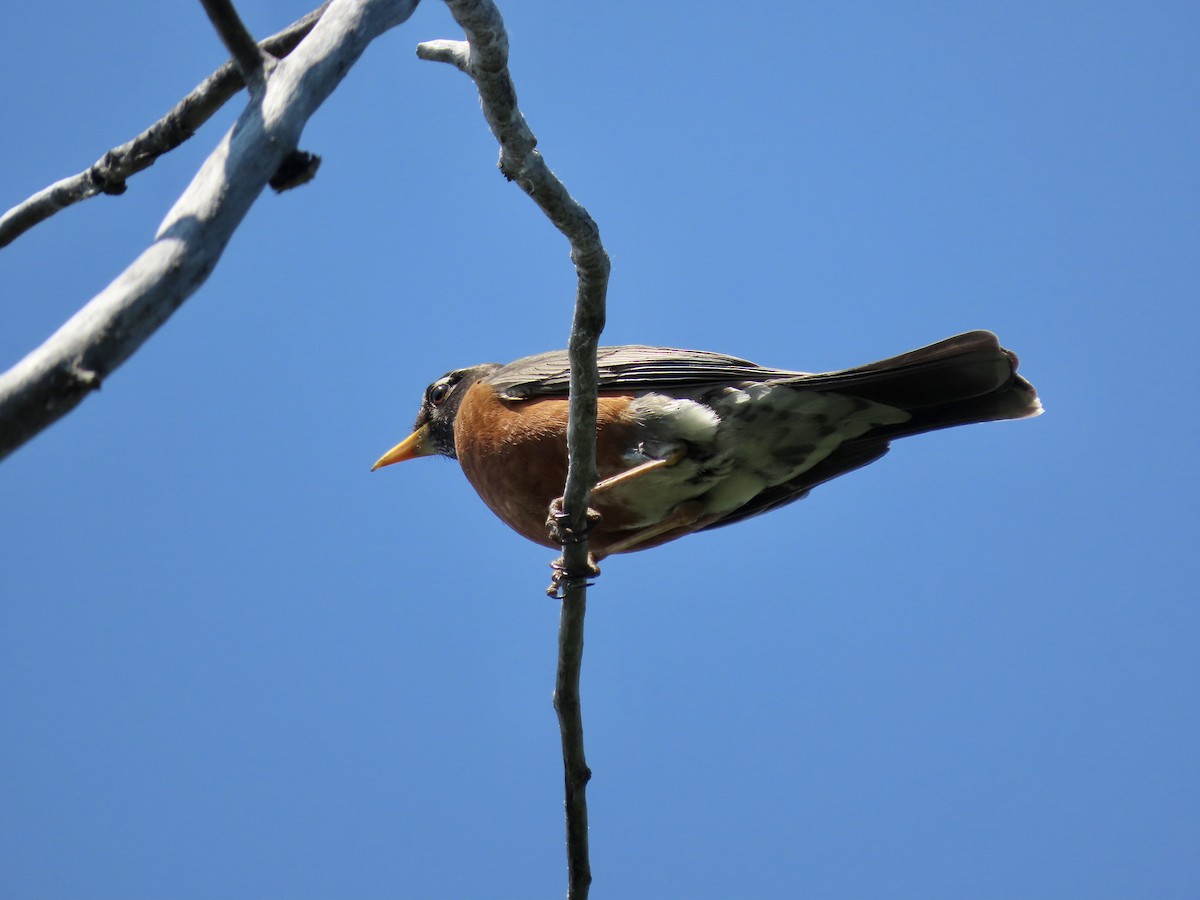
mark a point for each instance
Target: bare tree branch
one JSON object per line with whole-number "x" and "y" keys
{"x": 484, "y": 57}
{"x": 51, "y": 380}
{"x": 567, "y": 706}
{"x": 250, "y": 60}
{"x": 109, "y": 173}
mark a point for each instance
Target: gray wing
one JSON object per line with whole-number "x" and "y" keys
{"x": 966, "y": 378}
{"x": 632, "y": 368}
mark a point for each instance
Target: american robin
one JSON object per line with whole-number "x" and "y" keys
{"x": 688, "y": 440}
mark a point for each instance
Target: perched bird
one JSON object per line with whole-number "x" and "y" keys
{"x": 688, "y": 440}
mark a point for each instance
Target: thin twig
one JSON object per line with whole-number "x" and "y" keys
{"x": 250, "y": 60}
{"x": 108, "y": 175}
{"x": 484, "y": 57}
{"x": 576, "y": 773}
{"x": 55, "y": 377}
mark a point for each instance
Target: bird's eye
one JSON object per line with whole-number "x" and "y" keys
{"x": 439, "y": 392}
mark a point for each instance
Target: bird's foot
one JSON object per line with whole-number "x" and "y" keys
{"x": 561, "y": 580}
{"x": 559, "y": 529}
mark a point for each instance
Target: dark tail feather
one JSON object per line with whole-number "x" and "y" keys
{"x": 958, "y": 381}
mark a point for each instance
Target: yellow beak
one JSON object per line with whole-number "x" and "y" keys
{"x": 409, "y": 448}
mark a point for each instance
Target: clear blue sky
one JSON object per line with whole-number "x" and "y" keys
{"x": 234, "y": 663}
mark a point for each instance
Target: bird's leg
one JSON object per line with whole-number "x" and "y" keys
{"x": 561, "y": 533}
{"x": 637, "y": 471}
{"x": 556, "y": 525}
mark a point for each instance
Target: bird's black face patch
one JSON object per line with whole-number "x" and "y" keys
{"x": 439, "y": 408}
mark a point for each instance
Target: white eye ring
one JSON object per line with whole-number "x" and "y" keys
{"x": 439, "y": 392}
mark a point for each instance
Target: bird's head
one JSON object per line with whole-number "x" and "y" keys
{"x": 433, "y": 432}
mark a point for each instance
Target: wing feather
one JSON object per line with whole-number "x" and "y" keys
{"x": 631, "y": 368}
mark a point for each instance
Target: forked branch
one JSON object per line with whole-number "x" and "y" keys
{"x": 55, "y": 377}
{"x": 109, "y": 174}
{"x": 247, "y": 56}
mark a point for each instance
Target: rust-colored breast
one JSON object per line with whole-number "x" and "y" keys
{"x": 514, "y": 452}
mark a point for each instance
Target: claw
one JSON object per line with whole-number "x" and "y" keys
{"x": 561, "y": 580}
{"x": 560, "y": 531}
